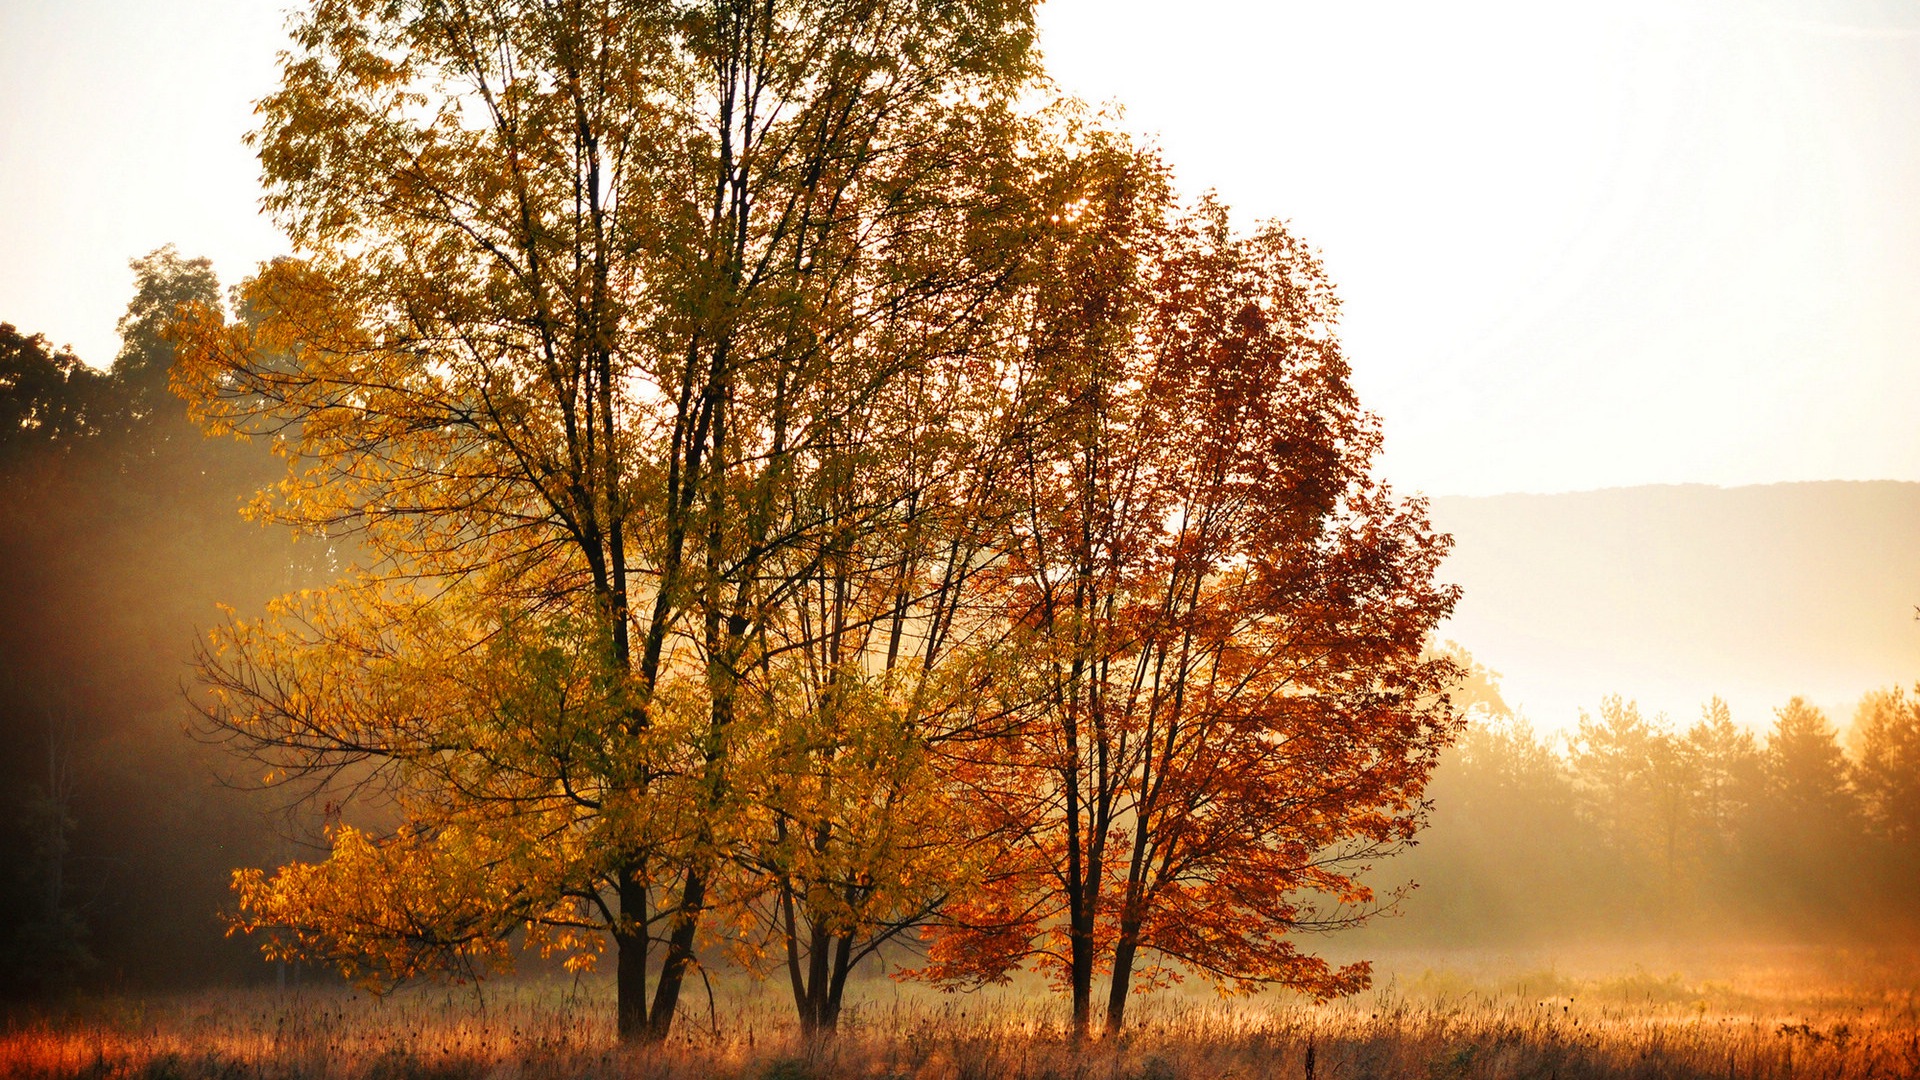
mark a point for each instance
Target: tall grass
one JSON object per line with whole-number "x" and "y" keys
{"x": 1439, "y": 1024}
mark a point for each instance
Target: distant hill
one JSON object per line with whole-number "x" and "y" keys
{"x": 1671, "y": 594}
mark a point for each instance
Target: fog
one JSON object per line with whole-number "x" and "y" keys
{"x": 120, "y": 532}
{"x": 1645, "y": 822}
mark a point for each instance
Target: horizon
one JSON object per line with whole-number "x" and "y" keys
{"x": 1670, "y": 594}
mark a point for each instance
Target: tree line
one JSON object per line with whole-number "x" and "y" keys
{"x": 1632, "y": 826}
{"x": 118, "y": 532}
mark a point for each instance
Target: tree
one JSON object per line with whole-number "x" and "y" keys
{"x": 586, "y": 291}
{"x": 1806, "y": 769}
{"x": 1640, "y": 787}
{"x": 1504, "y": 847}
{"x": 1223, "y": 707}
{"x": 118, "y": 530}
{"x": 46, "y": 944}
{"x": 49, "y": 400}
{"x": 877, "y": 653}
{"x": 1476, "y": 689}
{"x": 1808, "y": 826}
{"x": 163, "y": 284}
{"x": 1726, "y": 768}
{"x": 1506, "y": 852}
{"x": 1887, "y": 726}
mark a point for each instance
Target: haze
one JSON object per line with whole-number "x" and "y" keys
{"x": 1631, "y": 287}
{"x": 1671, "y": 595}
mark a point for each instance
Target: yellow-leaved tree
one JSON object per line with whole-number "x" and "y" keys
{"x": 637, "y": 347}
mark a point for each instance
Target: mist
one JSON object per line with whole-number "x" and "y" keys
{"x": 1565, "y": 818}
{"x": 120, "y": 536}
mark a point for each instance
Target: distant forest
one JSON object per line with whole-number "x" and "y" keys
{"x": 119, "y": 532}
{"x": 1642, "y": 828}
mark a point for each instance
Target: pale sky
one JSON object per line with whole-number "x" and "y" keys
{"x": 1580, "y": 245}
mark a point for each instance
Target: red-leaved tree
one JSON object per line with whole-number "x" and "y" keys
{"x": 1222, "y": 712}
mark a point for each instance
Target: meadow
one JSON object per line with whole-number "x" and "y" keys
{"x": 1774, "y": 1014}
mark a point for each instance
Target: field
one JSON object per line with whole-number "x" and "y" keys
{"x": 1791, "y": 1015}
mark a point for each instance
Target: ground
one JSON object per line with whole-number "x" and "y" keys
{"x": 1792, "y": 1014}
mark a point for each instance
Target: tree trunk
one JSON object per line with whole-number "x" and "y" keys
{"x": 813, "y": 1009}
{"x": 842, "y": 964}
{"x": 1079, "y": 925}
{"x": 1080, "y": 942}
{"x": 1081, "y": 884}
{"x": 790, "y": 930}
{"x": 1123, "y": 953}
{"x": 1133, "y": 908}
{"x": 630, "y": 973}
{"x": 818, "y": 989}
{"x": 679, "y": 961}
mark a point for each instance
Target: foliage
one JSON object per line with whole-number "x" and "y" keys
{"x": 164, "y": 283}
{"x": 714, "y": 392}
{"x": 592, "y": 297}
{"x": 49, "y": 400}
{"x": 1806, "y": 770}
{"x": 1639, "y": 782}
{"x": 1727, "y": 770}
{"x": 1223, "y": 708}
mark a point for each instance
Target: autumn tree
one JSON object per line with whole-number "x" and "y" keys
{"x": 588, "y": 294}
{"x": 1222, "y": 708}
{"x": 877, "y": 651}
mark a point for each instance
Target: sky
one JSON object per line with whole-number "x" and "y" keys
{"x": 1580, "y": 245}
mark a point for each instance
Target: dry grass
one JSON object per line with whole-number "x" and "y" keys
{"x": 1781, "y": 1023}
